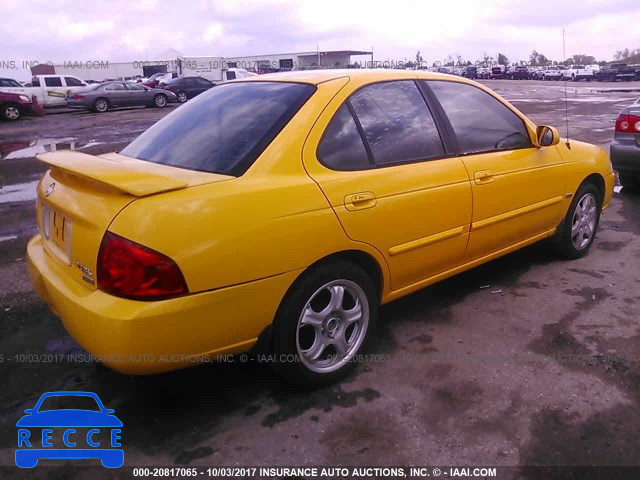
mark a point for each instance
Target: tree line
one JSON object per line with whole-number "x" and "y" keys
{"x": 536, "y": 59}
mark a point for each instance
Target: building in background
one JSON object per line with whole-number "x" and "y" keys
{"x": 287, "y": 61}
{"x": 99, "y": 70}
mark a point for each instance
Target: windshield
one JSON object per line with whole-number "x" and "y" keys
{"x": 222, "y": 130}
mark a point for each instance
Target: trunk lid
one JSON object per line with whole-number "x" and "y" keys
{"x": 81, "y": 194}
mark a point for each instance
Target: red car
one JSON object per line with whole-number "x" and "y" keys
{"x": 14, "y": 105}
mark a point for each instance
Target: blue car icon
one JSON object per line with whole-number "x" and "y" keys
{"x": 35, "y": 430}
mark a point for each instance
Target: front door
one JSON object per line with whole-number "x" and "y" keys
{"x": 518, "y": 189}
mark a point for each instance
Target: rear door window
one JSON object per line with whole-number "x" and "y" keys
{"x": 341, "y": 147}
{"x": 397, "y": 123}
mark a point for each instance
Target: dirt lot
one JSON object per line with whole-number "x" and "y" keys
{"x": 541, "y": 368}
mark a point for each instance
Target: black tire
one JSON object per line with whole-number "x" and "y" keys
{"x": 10, "y": 112}
{"x": 160, "y": 100}
{"x": 574, "y": 225}
{"x": 182, "y": 96}
{"x": 101, "y": 105}
{"x": 292, "y": 342}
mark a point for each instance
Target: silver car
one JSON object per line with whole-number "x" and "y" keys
{"x": 104, "y": 96}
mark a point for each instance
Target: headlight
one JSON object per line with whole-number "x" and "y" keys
{"x": 24, "y": 98}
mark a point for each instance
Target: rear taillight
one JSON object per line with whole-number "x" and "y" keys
{"x": 128, "y": 269}
{"x": 626, "y": 123}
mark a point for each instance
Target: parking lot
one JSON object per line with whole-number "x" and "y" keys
{"x": 528, "y": 360}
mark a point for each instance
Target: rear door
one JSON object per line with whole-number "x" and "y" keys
{"x": 382, "y": 164}
{"x": 518, "y": 189}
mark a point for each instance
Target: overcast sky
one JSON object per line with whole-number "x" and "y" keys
{"x": 129, "y": 30}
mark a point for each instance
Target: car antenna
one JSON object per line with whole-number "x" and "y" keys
{"x": 566, "y": 105}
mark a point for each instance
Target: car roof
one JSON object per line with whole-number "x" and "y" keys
{"x": 320, "y": 76}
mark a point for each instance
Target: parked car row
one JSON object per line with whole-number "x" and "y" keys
{"x": 611, "y": 73}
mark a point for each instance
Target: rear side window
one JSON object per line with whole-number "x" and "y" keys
{"x": 53, "y": 81}
{"x": 480, "y": 122}
{"x": 223, "y": 130}
{"x": 341, "y": 147}
{"x": 396, "y": 122}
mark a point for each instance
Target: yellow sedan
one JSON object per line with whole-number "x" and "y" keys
{"x": 276, "y": 213}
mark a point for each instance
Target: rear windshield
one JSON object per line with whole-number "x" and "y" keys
{"x": 222, "y": 130}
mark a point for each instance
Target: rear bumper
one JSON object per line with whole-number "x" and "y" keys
{"x": 625, "y": 156}
{"x": 137, "y": 337}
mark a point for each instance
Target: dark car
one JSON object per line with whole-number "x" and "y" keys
{"x": 497, "y": 73}
{"x": 519, "y": 73}
{"x": 625, "y": 148}
{"x": 470, "y": 72}
{"x": 187, "y": 87}
{"x": 616, "y": 71}
{"x": 14, "y": 105}
{"x": 105, "y": 96}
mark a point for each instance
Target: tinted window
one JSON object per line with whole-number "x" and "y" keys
{"x": 135, "y": 86}
{"x": 73, "y": 82}
{"x": 396, "y": 122}
{"x": 223, "y": 130}
{"x": 203, "y": 82}
{"x": 53, "y": 81}
{"x": 481, "y": 123}
{"x": 341, "y": 147}
{"x": 7, "y": 82}
{"x": 35, "y": 82}
{"x": 231, "y": 75}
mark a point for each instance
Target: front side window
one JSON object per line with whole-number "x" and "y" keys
{"x": 224, "y": 130}
{"x": 480, "y": 122}
{"x": 397, "y": 123}
{"x": 73, "y": 82}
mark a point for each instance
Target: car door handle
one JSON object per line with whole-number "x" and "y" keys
{"x": 360, "y": 201}
{"x": 483, "y": 177}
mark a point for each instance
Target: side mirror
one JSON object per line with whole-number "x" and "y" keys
{"x": 547, "y": 136}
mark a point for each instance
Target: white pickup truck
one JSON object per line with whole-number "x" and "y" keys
{"x": 50, "y": 90}
{"x": 579, "y": 72}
